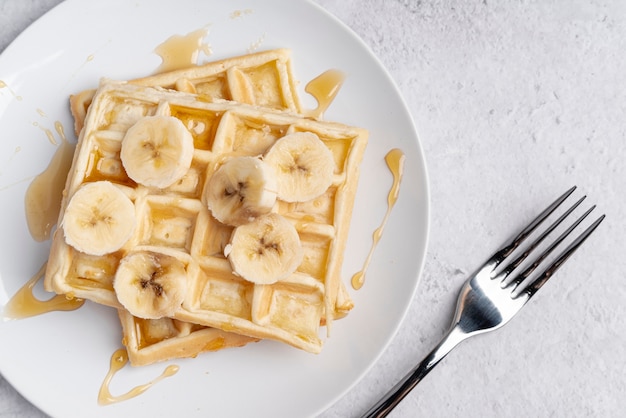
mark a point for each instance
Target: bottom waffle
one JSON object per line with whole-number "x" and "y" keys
{"x": 152, "y": 340}
{"x": 263, "y": 78}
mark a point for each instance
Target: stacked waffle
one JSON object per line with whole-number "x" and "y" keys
{"x": 205, "y": 208}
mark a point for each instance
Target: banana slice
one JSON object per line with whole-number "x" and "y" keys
{"x": 304, "y": 166}
{"x": 98, "y": 219}
{"x": 157, "y": 151}
{"x": 150, "y": 285}
{"x": 240, "y": 190}
{"x": 265, "y": 250}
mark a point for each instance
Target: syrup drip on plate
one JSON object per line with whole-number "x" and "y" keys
{"x": 4, "y": 85}
{"x": 24, "y": 304}
{"x": 182, "y": 51}
{"x": 324, "y": 88}
{"x": 118, "y": 360}
{"x": 42, "y": 201}
{"x": 395, "y": 161}
{"x": 239, "y": 13}
{"x": 48, "y": 133}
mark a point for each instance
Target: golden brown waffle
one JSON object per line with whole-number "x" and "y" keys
{"x": 150, "y": 340}
{"x": 262, "y": 78}
{"x": 176, "y": 221}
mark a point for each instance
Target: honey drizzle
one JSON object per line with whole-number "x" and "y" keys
{"x": 395, "y": 161}
{"x": 324, "y": 88}
{"x": 182, "y": 51}
{"x": 24, "y": 304}
{"x": 48, "y": 133}
{"x": 42, "y": 201}
{"x": 4, "y": 85}
{"x": 118, "y": 360}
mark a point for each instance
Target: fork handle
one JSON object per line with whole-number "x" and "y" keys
{"x": 393, "y": 397}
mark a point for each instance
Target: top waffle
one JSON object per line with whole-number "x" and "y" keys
{"x": 174, "y": 222}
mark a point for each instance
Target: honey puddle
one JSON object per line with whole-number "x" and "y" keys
{"x": 118, "y": 360}
{"x": 42, "y": 201}
{"x": 24, "y": 304}
{"x": 395, "y": 161}
{"x": 324, "y": 88}
{"x": 182, "y": 51}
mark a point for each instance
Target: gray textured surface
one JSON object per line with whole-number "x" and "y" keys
{"x": 514, "y": 102}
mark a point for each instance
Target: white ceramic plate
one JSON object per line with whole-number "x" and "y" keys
{"x": 59, "y": 360}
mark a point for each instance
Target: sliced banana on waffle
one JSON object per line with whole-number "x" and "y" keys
{"x": 99, "y": 219}
{"x": 304, "y": 166}
{"x": 157, "y": 151}
{"x": 240, "y": 190}
{"x": 150, "y": 285}
{"x": 265, "y": 250}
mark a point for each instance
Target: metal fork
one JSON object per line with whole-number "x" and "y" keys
{"x": 492, "y": 296}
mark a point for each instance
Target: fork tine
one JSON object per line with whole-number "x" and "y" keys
{"x": 513, "y": 265}
{"x": 499, "y": 256}
{"x": 533, "y": 287}
{"x": 528, "y": 271}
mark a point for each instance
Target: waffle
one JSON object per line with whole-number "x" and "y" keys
{"x": 151, "y": 340}
{"x": 175, "y": 220}
{"x": 262, "y": 78}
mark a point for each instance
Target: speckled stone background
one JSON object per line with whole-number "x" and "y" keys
{"x": 514, "y": 102}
